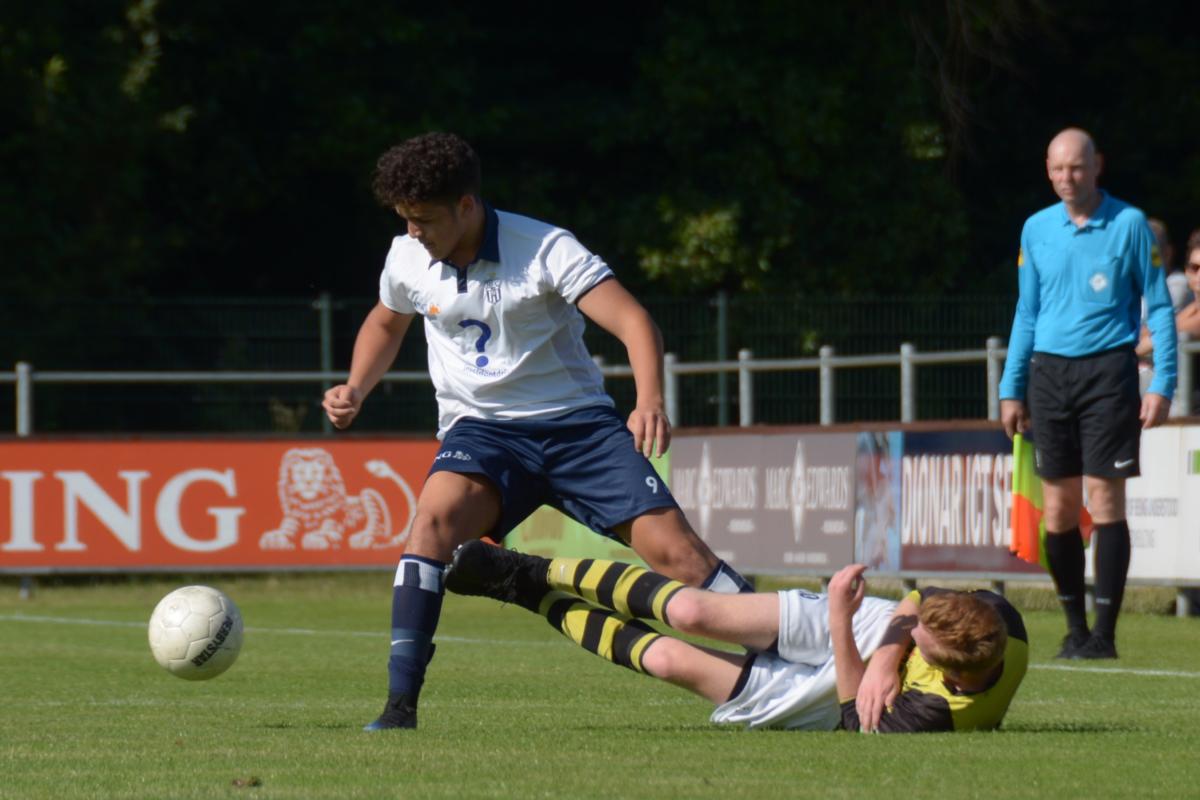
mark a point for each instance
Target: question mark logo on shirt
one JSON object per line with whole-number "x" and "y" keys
{"x": 485, "y": 333}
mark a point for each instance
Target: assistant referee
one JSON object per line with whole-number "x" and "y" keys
{"x": 1070, "y": 379}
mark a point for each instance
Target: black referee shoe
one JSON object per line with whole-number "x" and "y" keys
{"x": 1096, "y": 647}
{"x": 1071, "y": 644}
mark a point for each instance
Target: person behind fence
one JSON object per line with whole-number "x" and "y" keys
{"x": 1177, "y": 283}
{"x": 524, "y": 420}
{"x": 939, "y": 660}
{"x": 1187, "y": 318}
{"x": 1083, "y": 268}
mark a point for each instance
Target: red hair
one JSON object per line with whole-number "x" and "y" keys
{"x": 968, "y": 632}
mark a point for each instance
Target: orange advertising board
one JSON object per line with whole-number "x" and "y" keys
{"x": 207, "y": 504}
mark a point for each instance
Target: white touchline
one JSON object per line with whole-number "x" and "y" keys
{"x": 1166, "y": 673}
{"x": 285, "y": 631}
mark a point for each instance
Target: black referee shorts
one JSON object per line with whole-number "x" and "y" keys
{"x": 1085, "y": 414}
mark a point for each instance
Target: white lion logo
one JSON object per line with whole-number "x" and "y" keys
{"x": 317, "y": 508}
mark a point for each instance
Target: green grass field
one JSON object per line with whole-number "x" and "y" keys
{"x": 511, "y": 709}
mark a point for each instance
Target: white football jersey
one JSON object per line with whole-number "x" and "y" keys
{"x": 505, "y": 338}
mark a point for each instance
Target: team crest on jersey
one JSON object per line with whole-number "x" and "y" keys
{"x": 491, "y": 291}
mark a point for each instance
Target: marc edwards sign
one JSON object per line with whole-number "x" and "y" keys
{"x": 769, "y": 503}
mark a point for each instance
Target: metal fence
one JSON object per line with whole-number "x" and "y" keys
{"x": 254, "y": 365}
{"x": 826, "y": 367}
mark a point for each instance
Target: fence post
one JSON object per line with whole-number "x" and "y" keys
{"x": 24, "y": 398}
{"x": 908, "y": 383}
{"x": 1183, "y": 391}
{"x": 671, "y": 388}
{"x": 745, "y": 389}
{"x": 25, "y": 428}
{"x": 324, "y": 306}
{"x": 1183, "y": 603}
{"x": 827, "y": 384}
{"x": 993, "y": 377}
{"x": 722, "y": 354}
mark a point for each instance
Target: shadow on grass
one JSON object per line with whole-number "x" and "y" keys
{"x": 711, "y": 729}
{"x": 708, "y": 728}
{"x": 1072, "y": 727}
{"x": 314, "y": 726}
{"x": 644, "y": 726}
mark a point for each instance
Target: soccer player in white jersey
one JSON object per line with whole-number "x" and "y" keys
{"x": 523, "y": 417}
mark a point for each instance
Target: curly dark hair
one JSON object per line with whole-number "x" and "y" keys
{"x": 430, "y": 168}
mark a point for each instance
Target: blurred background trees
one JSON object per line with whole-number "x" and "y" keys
{"x": 179, "y": 180}
{"x": 161, "y": 147}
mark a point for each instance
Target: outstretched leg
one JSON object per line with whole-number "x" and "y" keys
{"x": 632, "y": 644}
{"x": 751, "y": 620}
{"x": 746, "y": 619}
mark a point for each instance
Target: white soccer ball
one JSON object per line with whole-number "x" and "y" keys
{"x": 196, "y": 632}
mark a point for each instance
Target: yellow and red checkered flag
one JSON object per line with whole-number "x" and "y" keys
{"x": 1028, "y": 525}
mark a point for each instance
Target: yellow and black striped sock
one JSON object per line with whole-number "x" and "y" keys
{"x": 607, "y": 634}
{"x": 625, "y": 588}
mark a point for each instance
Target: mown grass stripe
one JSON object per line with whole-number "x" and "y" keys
{"x": 1150, "y": 673}
{"x": 382, "y": 634}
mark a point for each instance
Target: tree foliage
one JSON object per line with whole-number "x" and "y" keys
{"x": 220, "y": 148}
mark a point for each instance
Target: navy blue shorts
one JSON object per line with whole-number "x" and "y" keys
{"x": 583, "y": 463}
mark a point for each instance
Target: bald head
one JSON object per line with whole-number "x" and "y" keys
{"x": 1073, "y": 166}
{"x": 1072, "y": 141}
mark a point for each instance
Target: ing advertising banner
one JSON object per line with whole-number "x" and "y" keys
{"x": 205, "y": 505}
{"x": 914, "y": 502}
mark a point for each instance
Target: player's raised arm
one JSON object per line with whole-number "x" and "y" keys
{"x": 375, "y": 349}
{"x": 615, "y": 310}
{"x": 846, "y": 591}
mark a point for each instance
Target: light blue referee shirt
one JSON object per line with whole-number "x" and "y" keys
{"x": 1081, "y": 289}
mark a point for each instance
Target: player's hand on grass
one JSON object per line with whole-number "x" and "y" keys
{"x": 341, "y": 405}
{"x": 651, "y": 431}
{"x": 876, "y": 693}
